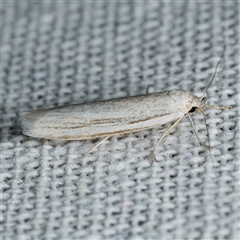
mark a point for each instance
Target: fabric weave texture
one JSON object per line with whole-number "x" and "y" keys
{"x": 56, "y": 53}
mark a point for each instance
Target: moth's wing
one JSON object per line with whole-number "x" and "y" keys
{"x": 92, "y": 120}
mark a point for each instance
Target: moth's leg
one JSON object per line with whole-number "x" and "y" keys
{"x": 147, "y": 90}
{"x": 195, "y": 132}
{"x": 99, "y": 143}
{"x": 165, "y": 134}
{"x": 220, "y": 107}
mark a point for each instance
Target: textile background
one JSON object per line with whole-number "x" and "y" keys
{"x": 56, "y": 53}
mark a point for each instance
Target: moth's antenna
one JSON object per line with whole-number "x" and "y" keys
{"x": 206, "y": 91}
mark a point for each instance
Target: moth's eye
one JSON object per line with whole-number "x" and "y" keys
{"x": 193, "y": 109}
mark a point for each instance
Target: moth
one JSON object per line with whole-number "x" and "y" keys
{"x": 115, "y": 116}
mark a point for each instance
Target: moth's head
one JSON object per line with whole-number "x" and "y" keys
{"x": 189, "y": 103}
{"x": 196, "y": 104}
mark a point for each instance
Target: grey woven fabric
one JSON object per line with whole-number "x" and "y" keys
{"x": 57, "y": 53}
